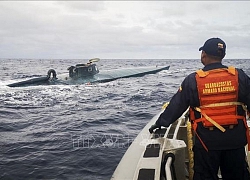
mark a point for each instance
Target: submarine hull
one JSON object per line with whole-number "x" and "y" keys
{"x": 104, "y": 76}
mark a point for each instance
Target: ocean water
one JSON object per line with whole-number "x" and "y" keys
{"x": 79, "y": 131}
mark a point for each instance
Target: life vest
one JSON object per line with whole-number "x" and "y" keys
{"x": 218, "y": 96}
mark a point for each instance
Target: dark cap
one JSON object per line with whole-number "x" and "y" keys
{"x": 214, "y": 47}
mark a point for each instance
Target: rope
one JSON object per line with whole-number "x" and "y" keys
{"x": 190, "y": 151}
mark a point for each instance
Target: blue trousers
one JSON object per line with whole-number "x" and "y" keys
{"x": 232, "y": 164}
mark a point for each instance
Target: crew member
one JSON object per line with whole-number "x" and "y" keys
{"x": 219, "y": 98}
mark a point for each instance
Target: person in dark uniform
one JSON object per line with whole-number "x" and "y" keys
{"x": 219, "y": 98}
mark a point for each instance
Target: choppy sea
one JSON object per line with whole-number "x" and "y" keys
{"x": 79, "y": 132}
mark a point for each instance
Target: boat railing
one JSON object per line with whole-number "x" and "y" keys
{"x": 174, "y": 151}
{"x": 162, "y": 152}
{"x": 168, "y": 165}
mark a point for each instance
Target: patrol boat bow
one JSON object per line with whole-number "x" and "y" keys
{"x": 88, "y": 73}
{"x": 164, "y": 155}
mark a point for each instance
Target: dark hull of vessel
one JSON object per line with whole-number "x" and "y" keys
{"x": 104, "y": 76}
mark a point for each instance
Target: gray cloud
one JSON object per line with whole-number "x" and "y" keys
{"x": 121, "y": 29}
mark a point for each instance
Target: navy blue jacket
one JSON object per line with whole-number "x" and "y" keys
{"x": 188, "y": 96}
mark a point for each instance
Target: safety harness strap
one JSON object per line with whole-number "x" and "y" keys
{"x": 247, "y": 134}
{"x": 226, "y": 104}
{"x": 215, "y": 123}
{"x": 210, "y": 120}
{"x": 202, "y": 143}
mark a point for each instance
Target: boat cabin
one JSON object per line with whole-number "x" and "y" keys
{"x": 83, "y": 70}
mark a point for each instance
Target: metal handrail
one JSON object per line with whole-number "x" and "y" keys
{"x": 177, "y": 128}
{"x": 168, "y": 168}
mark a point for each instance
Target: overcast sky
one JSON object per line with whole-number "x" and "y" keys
{"x": 121, "y": 29}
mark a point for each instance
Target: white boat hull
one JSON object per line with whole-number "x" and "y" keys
{"x": 146, "y": 156}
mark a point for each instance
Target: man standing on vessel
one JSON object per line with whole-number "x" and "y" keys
{"x": 218, "y": 97}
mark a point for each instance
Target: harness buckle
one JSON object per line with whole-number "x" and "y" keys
{"x": 211, "y": 128}
{"x": 229, "y": 127}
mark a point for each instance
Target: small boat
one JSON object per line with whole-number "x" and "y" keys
{"x": 88, "y": 73}
{"x": 164, "y": 155}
